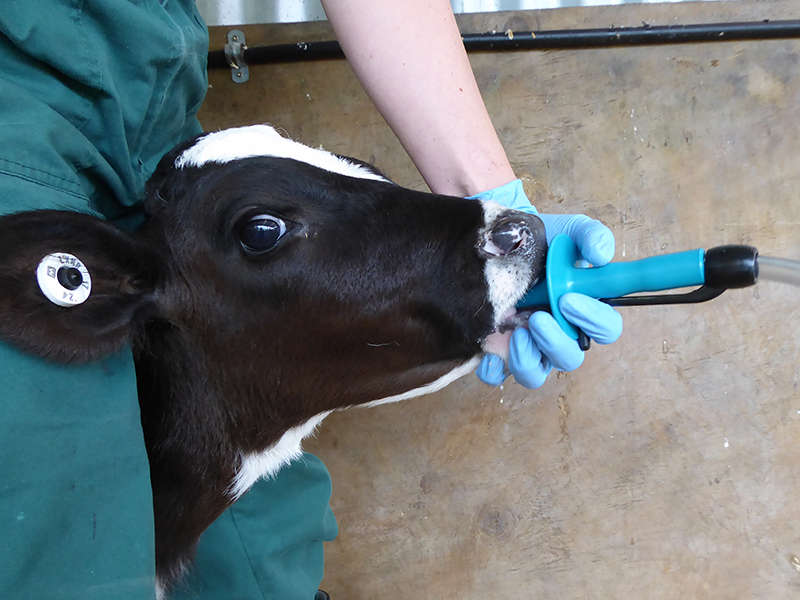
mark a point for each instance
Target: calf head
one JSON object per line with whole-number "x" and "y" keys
{"x": 270, "y": 285}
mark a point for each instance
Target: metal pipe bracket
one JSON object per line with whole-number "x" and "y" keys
{"x": 234, "y": 54}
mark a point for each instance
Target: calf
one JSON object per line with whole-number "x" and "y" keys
{"x": 270, "y": 285}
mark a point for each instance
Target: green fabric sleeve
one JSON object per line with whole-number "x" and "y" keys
{"x": 75, "y": 500}
{"x": 77, "y": 520}
{"x": 268, "y": 546}
{"x": 92, "y": 94}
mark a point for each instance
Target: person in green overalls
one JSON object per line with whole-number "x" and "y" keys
{"x": 92, "y": 94}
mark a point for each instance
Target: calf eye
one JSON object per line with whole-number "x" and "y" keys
{"x": 261, "y": 233}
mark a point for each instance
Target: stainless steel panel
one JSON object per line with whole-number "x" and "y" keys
{"x": 244, "y": 12}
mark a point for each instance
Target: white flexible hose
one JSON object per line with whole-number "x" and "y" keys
{"x": 779, "y": 269}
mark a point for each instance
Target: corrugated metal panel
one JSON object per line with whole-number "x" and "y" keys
{"x": 243, "y": 12}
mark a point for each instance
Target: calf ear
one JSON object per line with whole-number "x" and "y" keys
{"x": 123, "y": 273}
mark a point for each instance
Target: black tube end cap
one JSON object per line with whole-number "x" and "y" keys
{"x": 730, "y": 267}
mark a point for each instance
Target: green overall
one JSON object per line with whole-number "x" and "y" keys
{"x": 92, "y": 94}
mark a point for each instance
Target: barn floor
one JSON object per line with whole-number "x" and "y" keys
{"x": 667, "y": 466}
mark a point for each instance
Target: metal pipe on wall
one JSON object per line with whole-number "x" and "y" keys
{"x": 542, "y": 40}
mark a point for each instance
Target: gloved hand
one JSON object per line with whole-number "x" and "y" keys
{"x": 542, "y": 346}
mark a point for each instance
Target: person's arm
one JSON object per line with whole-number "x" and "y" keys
{"x": 409, "y": 57}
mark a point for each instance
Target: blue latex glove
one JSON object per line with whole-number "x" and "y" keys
{"x": 543, "y": 346}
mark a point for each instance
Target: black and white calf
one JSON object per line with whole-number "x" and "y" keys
{"x": 271, "y": 284}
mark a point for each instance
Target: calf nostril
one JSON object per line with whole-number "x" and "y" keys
{"x": 505, "y": 237}
{"x": 508, "y": 239}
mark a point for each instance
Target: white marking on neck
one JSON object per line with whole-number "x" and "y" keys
{"x": 258, "y": 465}
{"x": 162, "y": 590}
{"x": 262, "y": 140}
{"x": 429, "y": 388}
{"x": 265, "y": 464}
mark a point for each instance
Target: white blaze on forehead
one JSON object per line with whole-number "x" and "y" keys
{"x": 262, "y": 140}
